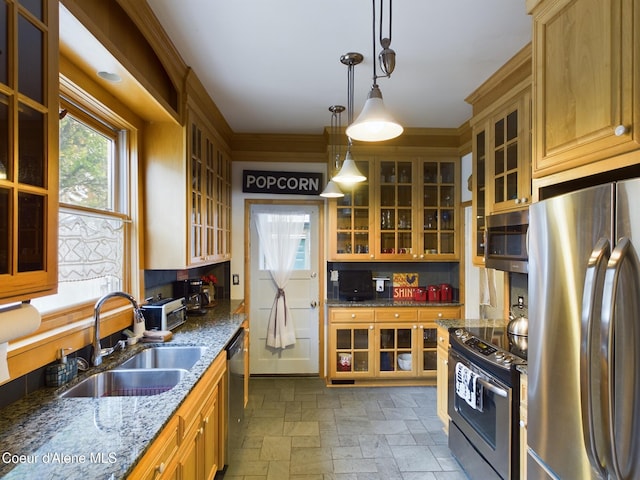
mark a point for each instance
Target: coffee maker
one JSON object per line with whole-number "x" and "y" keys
{"x": 191, "y": 291}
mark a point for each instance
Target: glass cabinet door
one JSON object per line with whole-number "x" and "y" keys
{"x": 396, "y": 208}
{"x": 395, "y": 350}
{"x": 479, "y": 196}
{"x": 428, "y": 350}
{"x": 28, "y": 149}
{"x": 352, "y": 223}
{"x": 352, "y": 351}
{"x": 439, "y": 198}
{"x": 505, "y": 158}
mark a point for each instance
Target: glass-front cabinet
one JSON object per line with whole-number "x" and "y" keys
{"x": 395, "y": 350}
{"x": 351, "y": 343}
{"x": 439, "y": 208}
{"x": 479, "y": 194}
{"x": 28, "y": 149}
{"x": 351, "y": 220}
{"x": 406, "y": 210}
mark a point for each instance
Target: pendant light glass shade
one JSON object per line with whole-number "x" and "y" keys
{"x": 349, "y": 173}
{"x": 374, "y": 124}
{"x": 332, "y": 190}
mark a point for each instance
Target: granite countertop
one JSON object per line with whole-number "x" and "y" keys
{"x": 47, "y": 437}
{"x": 387, "y": 302}
{"x": 472, "y": 322}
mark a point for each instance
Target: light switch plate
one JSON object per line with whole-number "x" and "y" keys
{"x": 334, "y": 275}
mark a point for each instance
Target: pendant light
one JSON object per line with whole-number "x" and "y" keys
{"x": 375, "y": 123}
{"x": 332, "y": 190}
{"x": 349, "y": 173}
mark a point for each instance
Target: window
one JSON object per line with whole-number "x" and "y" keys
{"x": 303, "y": 253}
{"x": 93, "y": 218}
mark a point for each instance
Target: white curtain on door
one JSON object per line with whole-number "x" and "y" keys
{"x": 280, "y": 235}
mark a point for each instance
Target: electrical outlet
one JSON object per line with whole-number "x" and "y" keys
{"x": 334, "y": 275}
{"x": 236, "y": 279}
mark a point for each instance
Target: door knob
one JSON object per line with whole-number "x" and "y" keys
{"x": 314, "y": 304}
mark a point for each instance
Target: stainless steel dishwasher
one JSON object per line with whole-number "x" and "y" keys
{"x": 235, "y": 375}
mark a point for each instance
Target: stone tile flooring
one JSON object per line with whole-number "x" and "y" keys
{"x": 298, "y": 429}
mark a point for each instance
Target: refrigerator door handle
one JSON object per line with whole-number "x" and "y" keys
{"x": 607, "y": 327}
{"x": 591, "y": 296}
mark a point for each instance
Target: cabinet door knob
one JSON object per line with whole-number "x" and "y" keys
{"x": 415, "y": 327}
{"x": 160, "y": 468}
{"x": 620, "y": 130}
{"x": 370, "y": 327}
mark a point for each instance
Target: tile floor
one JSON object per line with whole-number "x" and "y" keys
{"x": 298, "y": 429}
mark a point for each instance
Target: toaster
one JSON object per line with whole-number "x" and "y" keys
{"x": 165, "y": 314}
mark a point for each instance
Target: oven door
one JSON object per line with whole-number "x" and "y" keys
{"x": 488, "y": 430}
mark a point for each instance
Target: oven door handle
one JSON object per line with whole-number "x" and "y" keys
{"x": 492, "y": 388}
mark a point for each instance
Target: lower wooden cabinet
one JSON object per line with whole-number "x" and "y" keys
{"x": 443, "y": 376}
{"x": 384, "y": 344}
{"x": 192, "y": 444}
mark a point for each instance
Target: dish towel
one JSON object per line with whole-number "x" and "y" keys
{"x": 468, "y": 387}
{"x": 487, "y": 287}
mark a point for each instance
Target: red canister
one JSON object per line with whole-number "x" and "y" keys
{"x": 433, "y": 293}
{"x": 446, "y": 292}
{"x": 420, "y": 294}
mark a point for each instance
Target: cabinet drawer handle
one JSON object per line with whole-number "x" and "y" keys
{"x": 397, "y": 315}
{"x": 440, "y": 314}
{"x": 353, "y": 315}
{"x": 160, "y": 468}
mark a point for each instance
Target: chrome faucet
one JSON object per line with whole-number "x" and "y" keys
{"x": 98, "y": 352}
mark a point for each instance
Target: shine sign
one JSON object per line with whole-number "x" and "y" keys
{"x": 281, "y": 183}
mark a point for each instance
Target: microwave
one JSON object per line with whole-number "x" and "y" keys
{"x": 165, "y": 314}
{"x": 506, "y": 241}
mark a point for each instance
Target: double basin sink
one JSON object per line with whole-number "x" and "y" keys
{"x": 149, "y": 372}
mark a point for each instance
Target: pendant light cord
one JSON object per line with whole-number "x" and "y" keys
{"x": 373, "y": 29}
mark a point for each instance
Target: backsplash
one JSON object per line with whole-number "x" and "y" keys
{"x": 429, "y": 273}
{"x": 160, "y": 282}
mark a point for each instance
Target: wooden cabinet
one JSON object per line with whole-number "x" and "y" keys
{"x": 29, "y": 150}
{"x": 501, "y": 145}
{"x": 196, "y": 218}
{"x": 443, "y": 376}
{"x": 509, "y": 155}
{"x": 407, "y": 210}
{"x": 523, "y": 427}
{"x": 587, "y": 68}
{"x": 384, "y": 343}
{"x": 351, "y": 234}
{"x": 192, "y": 444}
{"x": 479, "y": 192}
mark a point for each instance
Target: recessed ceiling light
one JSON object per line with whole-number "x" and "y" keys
{"x": 110, "y": 77}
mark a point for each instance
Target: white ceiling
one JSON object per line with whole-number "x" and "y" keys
{"x": 273, "y": 66}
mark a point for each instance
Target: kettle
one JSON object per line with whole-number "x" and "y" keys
{"x": 518, "y": 327}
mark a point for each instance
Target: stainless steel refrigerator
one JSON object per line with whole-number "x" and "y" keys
{"x": 584, "y": 335}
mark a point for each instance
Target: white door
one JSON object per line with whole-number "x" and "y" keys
{"x": 302, "y": 295}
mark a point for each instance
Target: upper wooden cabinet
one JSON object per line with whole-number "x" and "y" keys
{"x": 187, "y": 195}
{"x": 587, "y": 81}
{"x": 407, "y": 210}
{"x": 501, "y": 145}
{"x": 28, "y": 150}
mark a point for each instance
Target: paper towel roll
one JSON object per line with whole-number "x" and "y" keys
{"x": 15, "y": 322}
{"x": 18, "y": 321}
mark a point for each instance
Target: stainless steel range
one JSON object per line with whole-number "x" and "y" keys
{"x": 483, "y": 401}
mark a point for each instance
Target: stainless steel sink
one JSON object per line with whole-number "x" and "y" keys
{"x": 127, "y": 383}
{"x": 165, "y": 357}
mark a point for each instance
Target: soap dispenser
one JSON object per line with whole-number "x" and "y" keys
{"x": 62, "y": 372}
